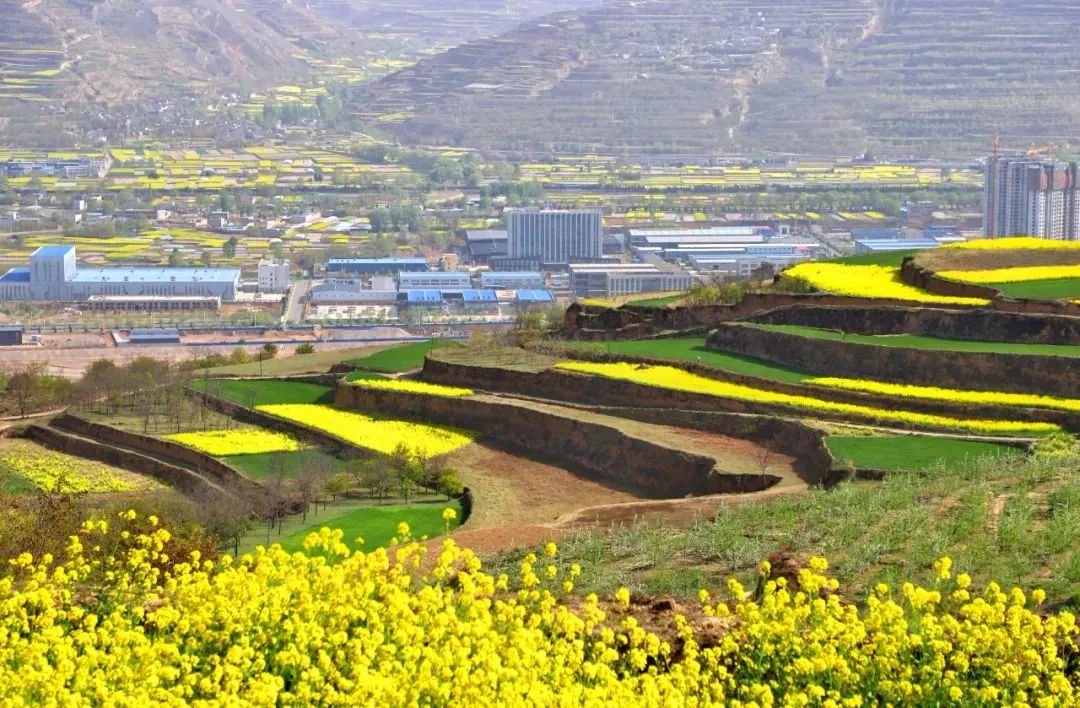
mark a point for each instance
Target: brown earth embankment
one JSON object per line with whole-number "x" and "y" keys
{"x": 982, "y": 325}
{"x": 1014, "y": 373}
{"x": 606, "y": 451}
{"x": 213, "y": 469}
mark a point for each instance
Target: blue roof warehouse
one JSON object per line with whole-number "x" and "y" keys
{"x": 53, "y": 275}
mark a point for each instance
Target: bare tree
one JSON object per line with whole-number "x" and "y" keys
{"x": 763, "y": 454}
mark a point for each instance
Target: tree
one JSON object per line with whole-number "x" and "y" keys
{"x": 207, "y": 258}
{"x": 175, "y": 259}
{"x": 337, "y": 486}
{"x": 228, "y": 249}
{"x": 763, "y": 457}
{"x": 269, "y": 351}
{"x": 373, "y": 475}
{"x": 23, "y": 387}
{"x": 306, "y": 348}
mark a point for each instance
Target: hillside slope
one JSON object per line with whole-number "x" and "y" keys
{"x": 817, "y": 77}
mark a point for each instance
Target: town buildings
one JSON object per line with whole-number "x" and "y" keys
{"x": 1024, "y": 197}
{"x": 554, "y": 236}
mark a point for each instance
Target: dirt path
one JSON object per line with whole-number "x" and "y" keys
{"x": 676, "y": 513}
{"x": 509, "y": 489}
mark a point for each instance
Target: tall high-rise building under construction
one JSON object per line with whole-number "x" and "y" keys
{"x": 1025, "y": 197}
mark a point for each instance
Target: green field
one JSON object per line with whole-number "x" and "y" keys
{"x": 657, "y": 301}
{"x": 890, "y": 258}
{"x": 258, "y": 466}
{"x": 373, "y": 523}
{"x": 315, "y": 363}
{"x": 1059, "y": 289}
{"x": 918, "y": 341}
{"x": 364, "y": 376}
{"x": 405, "y": 357}
{"x": 909, "y": 452}
{"x": 693, "y": 349}
{"x": 265, "y": 392}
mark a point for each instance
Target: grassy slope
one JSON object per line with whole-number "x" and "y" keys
{"x": 267, "y": 392}
{"x": 315, "y": 363}
{"x": 1041, "y": 289}
{"x": 657, "y": 301}
{"x": 908, "y": 452}
{"x": 914, "y": 341}
{"x": 693, "y": 349}
{"x": 375, "y": 524}
{"x": 258, "y": 466}
{"x": 999, "y": 518}
{"x": 405, "y": 357}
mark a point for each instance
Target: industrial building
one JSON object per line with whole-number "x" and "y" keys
{"x": 512, "y": 280}
{"x": 353, "y": 292}
{"x": 555, "y": 236}
{"x": 273, "y": 276}
{"x": 152, "y": 303}
{"x": 594, "y": 280}
{"x": 439, "y": 280}
{"x": 1024, "y": 197}
{"x": 53, "y": 275}
{"x": 375, "y": 266}
{"x": 11, "y": 335}
{"x": 485, "y": 244}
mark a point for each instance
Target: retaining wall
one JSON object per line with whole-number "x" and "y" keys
{"x": 217, "y": 471}
{"x": 184, "y": 481}
{"x": 633, "y": 322}
{"x": 605, "y": 451}
{"x": 983, "y": 325}
{"x": 1049, "y": 375}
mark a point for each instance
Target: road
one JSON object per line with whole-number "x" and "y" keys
{"x": 294, "y": 306}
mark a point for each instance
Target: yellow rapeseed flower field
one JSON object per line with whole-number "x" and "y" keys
{"x": 245, "y": 441}
{"x": 117, "y": 621}
{"x": 680, "y": 380}
{"x": 54, "y": 471}
{"x": 1013, "y": 275}
{"x": 409, "y": 386}
{"x": 952, "y": 395}
{"x": 1014, "y": 243}
{"x": 379, "y": 434}
{"x": 872, "y": 281}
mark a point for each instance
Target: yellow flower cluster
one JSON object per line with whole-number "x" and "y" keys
{"x": 409, "y": 386}
{"x": 131, "y": 626}
{"x": 871, "y": 281}
{"x": 680, "y": 380}
{"x": 1014, "y": 243}
{"x": 952, "y": 395}
{"x": 1013, "y": 275}
{"x": 379, "y": 434}
{"x": 54, "y": 471}
{"x": 244, "y": 441}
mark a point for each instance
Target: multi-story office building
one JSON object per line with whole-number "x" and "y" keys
{"x": 53, "y": 275}
{"x": 555, "y": 236}
{"x": 273, "y": 276}
{"x": 1025, "y": 197}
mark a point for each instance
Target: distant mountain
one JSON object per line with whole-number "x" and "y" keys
{"x": 786, "y": 77}
{"x": 58, "y": 55}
